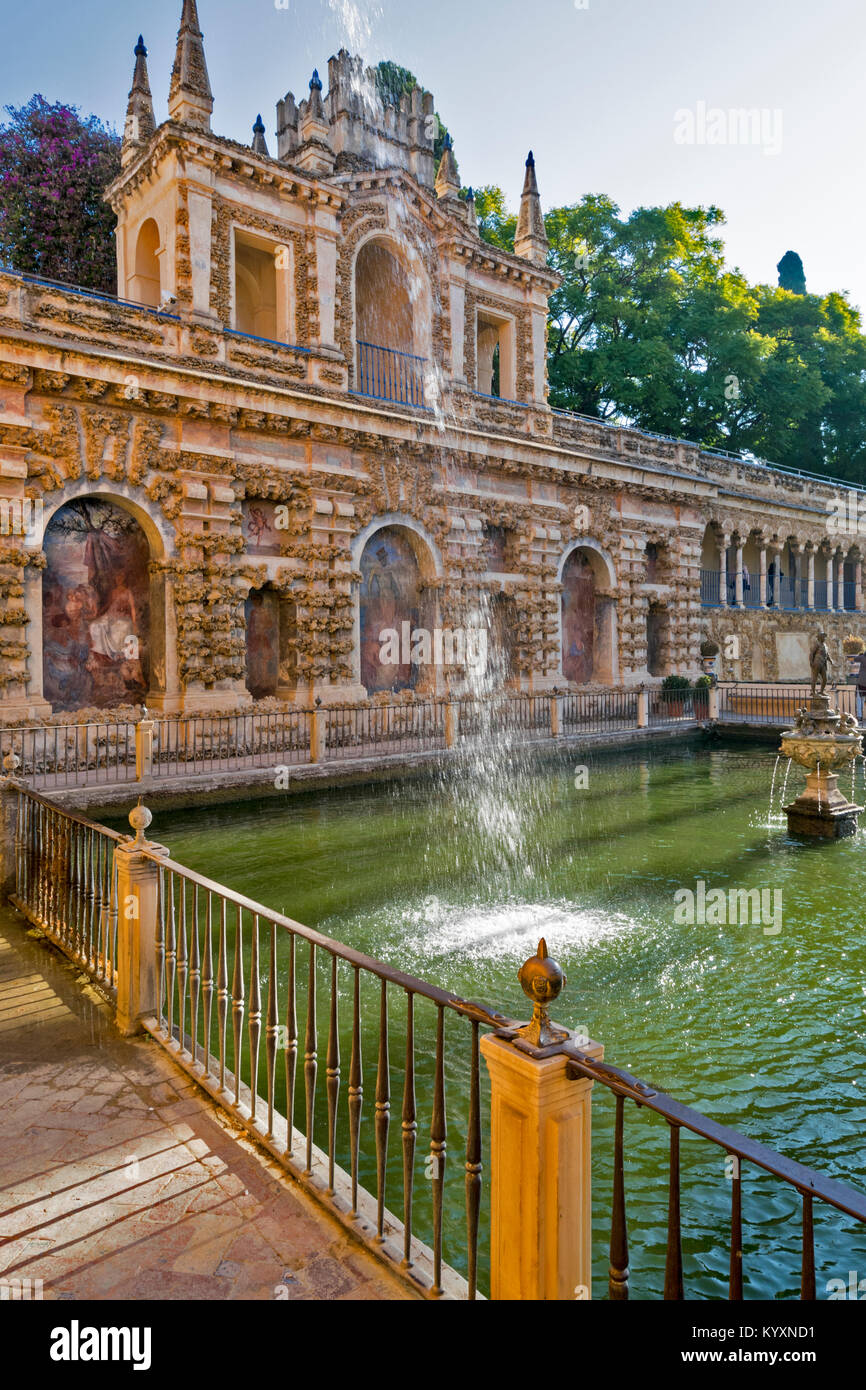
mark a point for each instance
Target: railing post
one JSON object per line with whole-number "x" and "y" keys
{"x": 318, "y": 732}
{"x": 137, "y": 919}
{"x": 451, "y": 719}
{"x": 8, "y": 826}
{"x": 540, "y": 1155}
{"x": 713, "y": 702}
{"x": 143, "y": 746}
{"x": 555, "y": 714}
{"x": 642, "y": 708}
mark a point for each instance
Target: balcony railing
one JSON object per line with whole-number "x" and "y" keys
{"x": 711, "y": 588}
{"x": 821, "y": 595}
{"x": 388, "y": 375}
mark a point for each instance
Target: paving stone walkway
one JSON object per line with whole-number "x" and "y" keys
{"x": 119, "y": 1179}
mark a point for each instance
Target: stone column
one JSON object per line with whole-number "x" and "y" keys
{"x": 858, "y": 586}
{"x": 840, "y": 581}
{"x": 723, "y": 572}
{"x": 762, "y": 579}
{"x": 810, "y": 584}
{"x": 738, "y": 577}
{"x": 831, "y": 597}
{"x": 137, "y": 911}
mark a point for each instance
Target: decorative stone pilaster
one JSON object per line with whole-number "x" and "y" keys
{"x": 137, "y": 920}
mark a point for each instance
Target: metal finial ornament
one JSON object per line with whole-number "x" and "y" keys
{"x": 541, "y": 980}
{"x": 139, "y": 818}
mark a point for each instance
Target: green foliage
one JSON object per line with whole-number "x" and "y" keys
{"x": 675, "y": 687}
{"x": 495, "y": 223}
{"x": 54, "y": 168}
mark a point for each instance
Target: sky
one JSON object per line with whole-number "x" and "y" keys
{"x": 625, "y": 97}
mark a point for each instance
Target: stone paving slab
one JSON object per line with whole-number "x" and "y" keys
{"x": 120, "y": 1179}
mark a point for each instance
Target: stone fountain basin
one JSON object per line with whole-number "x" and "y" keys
{"x": 830, "y": 751}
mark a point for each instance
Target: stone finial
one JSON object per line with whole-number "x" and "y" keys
{"x": 541, "y": 980}
{"x": 260, "y": 144}
{"x": 190, "y": 99}
{"x": 140, "y": 123}
{"x": 530, "y": 240}
{"x": 139, "y": 818}
{"x": 447, "y": 179}
{"x": 471, "y": 215}
{"x": 315, "y": 107}
{"x": 11, "y": 763}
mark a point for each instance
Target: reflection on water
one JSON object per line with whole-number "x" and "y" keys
{"x": 455, "y": 878}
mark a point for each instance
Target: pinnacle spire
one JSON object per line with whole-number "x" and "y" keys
{"x": 139, "y": 124}
{"x": 190, "y": 99}
{"x": 260, "y": 144}
{"x": 447, "y": 178}
{"x": 530, "y": 240}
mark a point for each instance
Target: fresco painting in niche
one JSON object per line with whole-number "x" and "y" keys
{"x": 578, "y": 619}
{"x": 390, "y": 596}
{"x": 96, "y": 607}
{"x": 262, "y": 613}
{"x": 259, "y": 522}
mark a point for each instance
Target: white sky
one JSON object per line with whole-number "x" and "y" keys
{"x": 593, "y": 91}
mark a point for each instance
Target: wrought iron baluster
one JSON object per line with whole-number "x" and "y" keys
{"x": 409, "y": 1127}
{"x": 310, "y": 1055}
{"x": 182, "y": 964}
{"x": 356, "y": 1088}
{"x": 291, "y": 1048}
{"x": 255, "y": 1021}
{"x": 171, "y": 956}
{"x": 222, "y": 993}
{"x": 674, "y": 1257}
{"x": 332, "y": 1075}
{"x": 807, "y": 1272}
{"x": 735, "y": 1289}
{"x": 438, "y": 1142}
{"x": 207, "y": 978}
{"x": 617, "y": 1287}
{"x": 383, "y": 1111}
{"x": 238, "y": 1000}
{"x": 272, "y": 1027}
{"x": 160, "y": 946}
{"x": 473, "y": 1165}
{"x": 194, "y": 977}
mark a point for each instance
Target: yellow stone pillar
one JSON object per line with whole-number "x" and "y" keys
{"x": 541, "y": 1176}
{"x": 540, "y": 1153}
{"x": 137, "y": 915}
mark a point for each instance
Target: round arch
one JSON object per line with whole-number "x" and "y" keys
{"x": 102, "y": 622}
{"x": 587, "y": 615}
{"x": 146, "y": 277}
{"x": 397, "y": 573}
{"x": 417, "y": 285}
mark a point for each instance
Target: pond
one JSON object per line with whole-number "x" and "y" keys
{"x": 757, "y": 1024}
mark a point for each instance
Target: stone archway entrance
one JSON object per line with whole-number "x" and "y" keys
{"x": 394, "y": 606}
{"x": 96, "y": 607}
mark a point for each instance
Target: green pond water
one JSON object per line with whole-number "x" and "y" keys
{"x": 454, "y": 878}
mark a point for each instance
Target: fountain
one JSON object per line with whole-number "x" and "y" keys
{"x": 824, "y": 742}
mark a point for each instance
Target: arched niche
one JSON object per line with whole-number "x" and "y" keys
{"x": 145, "y": 283}
{"x": 395, "y": 608}
{"x": 587, "y": 617}
{"x": 103, "y": 608}
{"x": 271, "y": 644}
{"x": 392, "y": 317}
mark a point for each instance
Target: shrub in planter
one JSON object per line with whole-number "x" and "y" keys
{"x": 853, "y": 646}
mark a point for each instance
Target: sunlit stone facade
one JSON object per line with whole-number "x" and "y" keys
{"x": 315, "y": 362}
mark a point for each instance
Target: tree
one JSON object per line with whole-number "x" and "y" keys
{"x": 54, "y": 168}
{"x": 791, "y": 274}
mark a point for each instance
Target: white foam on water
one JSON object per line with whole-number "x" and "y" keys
{"x": 434, "y": 929}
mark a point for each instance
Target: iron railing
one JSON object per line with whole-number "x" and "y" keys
{"x": 711, "y": 581}
{"x": 240, "y": 994}
{"x": 389, "y": 375}
{"x": 55, "y": 756}
{"x": 773, "y": 704}
{"x": 199, "y": 744}
{"x": 66, "y": 883}
{"x": 809, "y": 1184}
{"x": 599, "y": 711}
